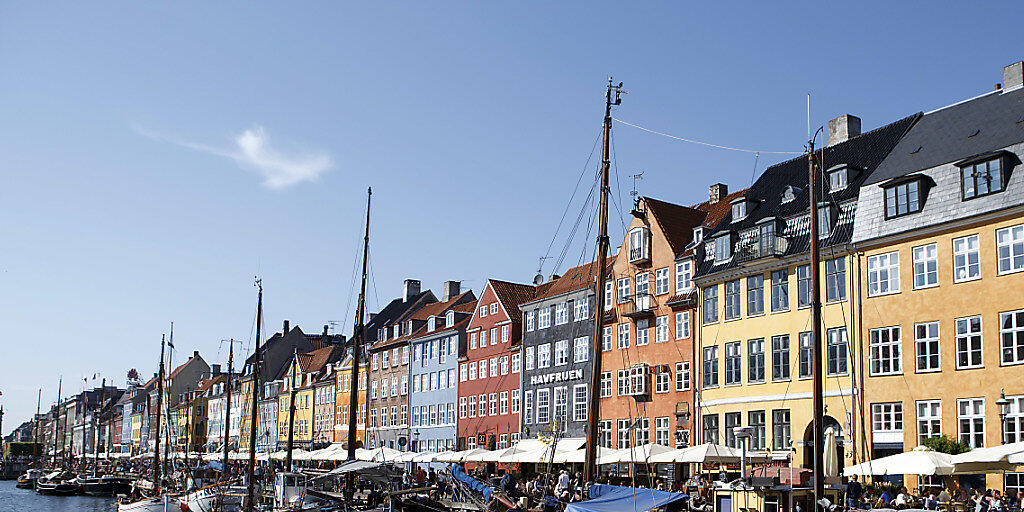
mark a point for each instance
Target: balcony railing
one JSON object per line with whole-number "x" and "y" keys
{"x": 761, "y": 247}
{"x": 637, "y": 306}
{"x": 639, "y": 254}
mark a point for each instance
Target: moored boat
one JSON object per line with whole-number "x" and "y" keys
{"x": 55, "y": 484}
{"x": 96, "y": 486}
{"x": 158, "y": 504}
{"x": 28, "y": 480}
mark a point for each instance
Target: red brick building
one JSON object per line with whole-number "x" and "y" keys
{"x": 490, "y": 373}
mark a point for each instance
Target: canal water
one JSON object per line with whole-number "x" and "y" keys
{"x": 13, "y": 499}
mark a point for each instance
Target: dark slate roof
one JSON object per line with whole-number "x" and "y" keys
{"x": 969, "y": 128}
{"x": 393, "y": 311}
{"x": 862, "y": 153}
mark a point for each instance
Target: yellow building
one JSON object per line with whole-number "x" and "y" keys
{"x": 940, "y": 227}
{"x": 753, "y": 269}
{"x": 302, "y": 372}
{"x": 343, "y": 385}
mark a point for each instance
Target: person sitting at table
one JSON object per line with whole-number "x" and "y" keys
{"x": 930, "y": 503}
{"x": 943, "y": 497}
{"x": 903, "y": 499}
{"x": 884, "y": 500}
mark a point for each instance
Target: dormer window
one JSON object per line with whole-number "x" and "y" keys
{"x": 449, "y": 319}
{"x": 903, "y": 198}
{"x": 431, "y": 323}
{"x": 723, "y": 248}
{"x": 408, "y": 326}
{"x": 639, "y": 244}
{"x": 698, "y": 235}
{"x": 789, "y": 195}
{"x": 827, "y": 215}
{"x": 739, "y": 209}
{"x": 980, "y": 178}
{"x": 398, "y": 330}
{"x": 838, "y": 179}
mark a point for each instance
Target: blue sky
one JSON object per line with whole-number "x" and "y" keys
{"x": 157, "y": 156}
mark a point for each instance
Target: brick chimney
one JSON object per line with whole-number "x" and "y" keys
{"x": 325, "y": 331}
{"x": 215, "y": 370}
{"x": 843, "y": 128}
{"x": 410, "y": 288}
{"x": 195, "y": 353}
{"x": 1013, "y": 75}
{"x": 285, "y": 328}
{"x": 717, "y": 192}
{"x": 450, "y": 290}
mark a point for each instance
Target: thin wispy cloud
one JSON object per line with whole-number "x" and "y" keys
{"x": 252, "y": 151}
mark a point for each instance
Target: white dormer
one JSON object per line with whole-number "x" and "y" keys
{"x": 789, "y": 195}
{"x": 431, "y": 323}
{"x": 723, "y": 247}
{"x": 698, "y": 234}
{"x": 449, "y": 319}
{"x": 741, "y": 206}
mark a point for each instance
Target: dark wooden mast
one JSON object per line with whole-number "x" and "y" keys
{"x": 353, "y": 401}
{"x": 56, "y": 420}
{"x": 159, "y": 404}
{"x": 256, "y": 389}
{"x": 291, "y": 413}
{"x": 590, "y": 454}
{"x": 98, "y": 421}
{"x": 819, "y": 378}
{"x": 227, "y": 408}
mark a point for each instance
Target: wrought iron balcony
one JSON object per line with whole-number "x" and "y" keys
{"x": 757, "y": 248}
{"x": 638, "y": 306}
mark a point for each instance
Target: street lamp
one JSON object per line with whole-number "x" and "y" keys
{"x": 743, "y": 433}
{"x": 1004, "y": 410}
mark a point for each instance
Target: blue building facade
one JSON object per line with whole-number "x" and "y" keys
{"x": 433, "y": 373}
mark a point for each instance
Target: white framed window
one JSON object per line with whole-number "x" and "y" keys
{"x": 494, "y": 366}
{"x": 926, "y": 266}
{"x": 472, "y": 405}
{"x": 505, "y": 333}
{"x": 527, "y": 407}
{"x": 733, "y": 363}
{"x": 472, "y": 340}
{"x": 504, "y": 365}
{"x": 544, "y": 355}
{"x": 1011, "y": 336}
{"x": 606, "y": 338}
{"x": 661, "y": 329}
{"x": 483, "y": 310}
{"x": 710, "y": 371}
{"x": 544, "y": 317}
{"x": 682, "y": 325}
{"x": 561, "y": 313}
{"x": 503, "y": 405}
{"x": 529, "y": 357}
{"x": 970, "y": 416}
{"x": 926, "y": 346}
{"x": 463, "y": 374}
{"x": 561, "y": 352}
{"x": 682, "y": 376}
{"x": 684, "y": 277}
{"x": 661, "y": 281}
{"x": 581, "y": 349}
{"x": 494, "y": 308}
{"x": 884, "y": 274}
{"x": 966, "y": 259}
{"x": 494, "y": 336}
{"x": 482, "y": 366}
{"x": 887, "y": 422}
{"x": 623, "y": 335}
{"x": 835, "y": 279}
{"x": 609, "y": 301}
{"x": 884, "y": 349}
{"x": 639, "y": 244}
{"x": 1014, "y": 424}
{"x": 710, "y": 304}
{"x": 968, "y": 342}
{"x": 642, "y": 332}
{"x": 493, "y": 404}
{"x": 662, "y": 381}
{"x": 517, "y": 359}
{"x": 606, "y": 384}
{"x": 579, "y": 402}
{"x": 543, "y": 406}
{"x": 1010, "y": 249}
{"x": 755, "y": 360}
{"x": 515, "y": 401}
{"x": 472, "y": 370}
{"x": 581, "y": 309}
{"x": 732, "y": 299}
{"x": 623, "y": 431}
{"x": 624, "y": 290}
{"x": 529, "y": 319}
{"x": 929, "y": 419}
{"x": 623, "y": 382}
{"x": 661, "y": 431}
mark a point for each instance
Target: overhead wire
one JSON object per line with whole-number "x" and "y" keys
{"x": 693, "y": 141}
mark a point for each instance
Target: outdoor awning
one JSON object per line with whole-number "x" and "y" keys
{"x": 603, "y": 456}
{"x": 999, "y": 453}
{"x": 641, "y": 453}
{"x": 704, "y": 454}
{"x": 612, "y": 498}
{"x": 919, "y": 461}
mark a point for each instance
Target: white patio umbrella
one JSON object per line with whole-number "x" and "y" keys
{"x": 603, "y": 456}
{"x": 919, "y": 461}
{"x": 704, "y": 453}
{"x": 831, "y": 453}
{"x": 424, "y": 457}
{"x": 406, "y": 457}
{"x": 461, "y": 456}
{"x": 379, "y": 454}
{"x": 642, "y": 453}
{"x": 998, "y": 453}
{"x": 485, "y": 456}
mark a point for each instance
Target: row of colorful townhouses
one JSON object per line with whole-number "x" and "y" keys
{"x": 707, "y": 325}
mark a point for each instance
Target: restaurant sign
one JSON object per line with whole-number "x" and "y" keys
{"x": 562, "y": 376}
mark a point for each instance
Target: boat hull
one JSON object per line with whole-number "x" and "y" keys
{"x": 161, "y": 504}
{"x": 61, "y": 489}
{"x": 26, "y": 483}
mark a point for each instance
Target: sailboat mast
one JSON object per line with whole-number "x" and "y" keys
{"x": 35, "y": 431}
{"x": 256, "y": 388}
{"x": 56, "y": 426}
{"x": 590, "y": 454}
{"x": 353, "y": 403}
{"x": 818, "y": 438}
{"x": 97, "y": 420}
{"x": 291, "y": 412}
{"x": 159, "y": 406}
{"x": 227, "y": 407}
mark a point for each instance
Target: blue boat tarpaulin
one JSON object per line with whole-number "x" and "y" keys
{"x": 472, "y": 483}
{"x": 613, "y": 498}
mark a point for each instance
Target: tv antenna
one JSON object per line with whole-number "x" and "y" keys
{"x": 539, "y": 278}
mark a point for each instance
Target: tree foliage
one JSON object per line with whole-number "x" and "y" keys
{"x": 945, "y": 444}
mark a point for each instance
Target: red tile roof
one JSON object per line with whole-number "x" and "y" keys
{"x": 676, "y": 221}
{"x": 576, "y": 278}
{"x": 316, "y": 360}
{"x": 511, "y": 295}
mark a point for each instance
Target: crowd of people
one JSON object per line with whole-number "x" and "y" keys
{"x": 968, "y": 500}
